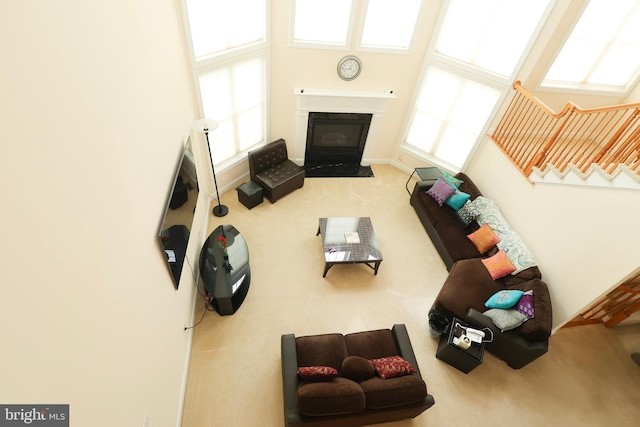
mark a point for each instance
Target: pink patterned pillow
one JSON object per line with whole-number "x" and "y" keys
{"x": 317, "y": 373}
{"x": 525, "y": 304}
{"x": 392, "y": 366}
{"x": 441, "y": 191}
{"x": 498, "y": 265}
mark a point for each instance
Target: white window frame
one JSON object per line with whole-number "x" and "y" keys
{"x": 225, "y": 59}
{"x": 470, "y": 72}
{"x": 354, "y": 32}
{"x": 584, "y": 88}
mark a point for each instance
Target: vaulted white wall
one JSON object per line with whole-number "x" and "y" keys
{"x": 95, "y": 105}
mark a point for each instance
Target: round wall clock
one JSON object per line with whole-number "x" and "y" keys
{"x": 349, "y": 67}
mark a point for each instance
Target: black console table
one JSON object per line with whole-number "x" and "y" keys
{"x": 224, "y": 268}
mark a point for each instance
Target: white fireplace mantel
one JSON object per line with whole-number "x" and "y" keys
{"x": 339, "y": 101}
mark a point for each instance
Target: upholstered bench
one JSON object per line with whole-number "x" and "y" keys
{"x": 343, "y": 380}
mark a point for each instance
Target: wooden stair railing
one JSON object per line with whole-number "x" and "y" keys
{"x": 531, "y": 135}
{"x": 614, "y": 307}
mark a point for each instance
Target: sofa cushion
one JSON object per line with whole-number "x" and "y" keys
{"x": 539, "y": 327}
{"x": 394, "y": 391}
{"x": 392, "y": 367}
{"x": 317, "y": 373}
{"x": 455, "y": 240}
{"x": 371, "y": 344}
{"x": 357, "y": 368}
{"x": 321, "y": 350}
{"x": 334, "y": 397}
{"x": 441, "y": 191}
{"x": 484, "y": 238}
{"x": 525, "y": 305}
{"x": 457, "y": 200}
{"x": 515, "y": 248}
{"x": 505, "y": 319}
{"x": 433, "y": 211}
{"x": 450, "y": 179}
{"x": 498, "y": 265}
{"x": 468, "y": 186}
{"x": 468, "y": 285}
{"x": 466, "y": 214}
{"x": 506, "y": 298}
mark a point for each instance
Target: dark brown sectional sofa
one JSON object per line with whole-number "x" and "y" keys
{"x": 469, "y": 283}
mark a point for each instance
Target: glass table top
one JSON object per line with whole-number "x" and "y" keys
{"x": 349, "y": 239}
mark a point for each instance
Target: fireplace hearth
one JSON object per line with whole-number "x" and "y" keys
{"x": 335, "y": 144}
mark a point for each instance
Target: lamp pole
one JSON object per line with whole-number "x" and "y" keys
{"x": 206, "y": 125}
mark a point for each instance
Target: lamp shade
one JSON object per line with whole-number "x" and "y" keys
{"x": 205, "y": 125}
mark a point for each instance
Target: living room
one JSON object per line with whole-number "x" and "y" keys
{"x": 97, "y": 101}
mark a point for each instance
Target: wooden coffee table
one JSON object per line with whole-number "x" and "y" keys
{"x": 349, "y": 240}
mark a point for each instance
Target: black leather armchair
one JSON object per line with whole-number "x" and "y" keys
{"x": 270, "y": 168}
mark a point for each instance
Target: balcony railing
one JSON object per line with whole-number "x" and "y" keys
{"x": 532, "y": 135}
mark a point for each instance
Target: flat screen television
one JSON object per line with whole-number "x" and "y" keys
{"x": 178, "y": 215}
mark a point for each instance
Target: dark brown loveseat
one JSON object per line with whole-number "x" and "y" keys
{"x": 343, "y": 401}
{"x": 271, "y": 169}
{"x": 469, "y": 284}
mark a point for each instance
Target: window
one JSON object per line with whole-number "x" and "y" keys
{"x": 490, "y": 35}
{"x": 469, "y": 69}
{"x": 322, "y": 22}
{"x": 229, "y": 59}
{"x": 450, "y": 114}
{"x": 389, "y": 24}
{"x": 603, "y": 50}
{"x": 332, "y": 24}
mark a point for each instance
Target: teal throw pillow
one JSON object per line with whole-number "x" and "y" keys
{"x": 457, "y": 200}
{"x": 504, "y": 299}
{"x": 450, "y": 179}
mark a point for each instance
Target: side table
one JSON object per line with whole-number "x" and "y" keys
{"x": 463, "y": 360}
{"x": 425, "y": 174}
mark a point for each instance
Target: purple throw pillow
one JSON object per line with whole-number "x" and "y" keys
{"x": 441, "y": 191}
{"x": 525, "y": 305}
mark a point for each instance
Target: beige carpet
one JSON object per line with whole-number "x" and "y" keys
{"x": 586, "y": 379}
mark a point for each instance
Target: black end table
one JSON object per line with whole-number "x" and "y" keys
{"x": 463, "y": 360}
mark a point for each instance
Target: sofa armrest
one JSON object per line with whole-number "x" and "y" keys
{"x": 289, "y": 359}
{"x": 403, "y": 343}
{"x": 508, "y": 346}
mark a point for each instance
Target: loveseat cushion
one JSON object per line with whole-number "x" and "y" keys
{"x": 321, "y": 350}
{"x": 371, "y": 344}
{"x": 357, "y": 368}
{"x": 393, "y": 391}
{"x": 539, "y": 327}
{"x": 334, "y": 397}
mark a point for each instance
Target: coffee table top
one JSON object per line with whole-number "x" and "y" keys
{"x": 349, "y": 240}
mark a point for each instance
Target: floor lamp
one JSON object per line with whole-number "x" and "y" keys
{"x": 207, "y": 125}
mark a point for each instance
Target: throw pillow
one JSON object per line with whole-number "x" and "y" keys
{"x": 498, "y": 265}
{"x": 505, "y": 319}
{"x": 457, "y": 200}
{"x": 357, "y": 368}
{"x": 484, "y": 238}
{"x": 504, "y": 299}
{"x": 317, "y": 373}
{"x": 450, "y": 179}
{"x": 392, "y": 366}
{"x": 440, "y": 191}
{"x": 467, "y": 213}
{"x": 525, "y": 304}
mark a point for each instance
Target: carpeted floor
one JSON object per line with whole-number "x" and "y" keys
{"x": 587, "y": 379}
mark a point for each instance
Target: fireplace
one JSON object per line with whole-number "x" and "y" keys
{"x": 336, "y": 139}
{"x": 351, "y": 120}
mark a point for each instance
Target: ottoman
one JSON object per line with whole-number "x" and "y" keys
{"x": 250, "y": 194}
